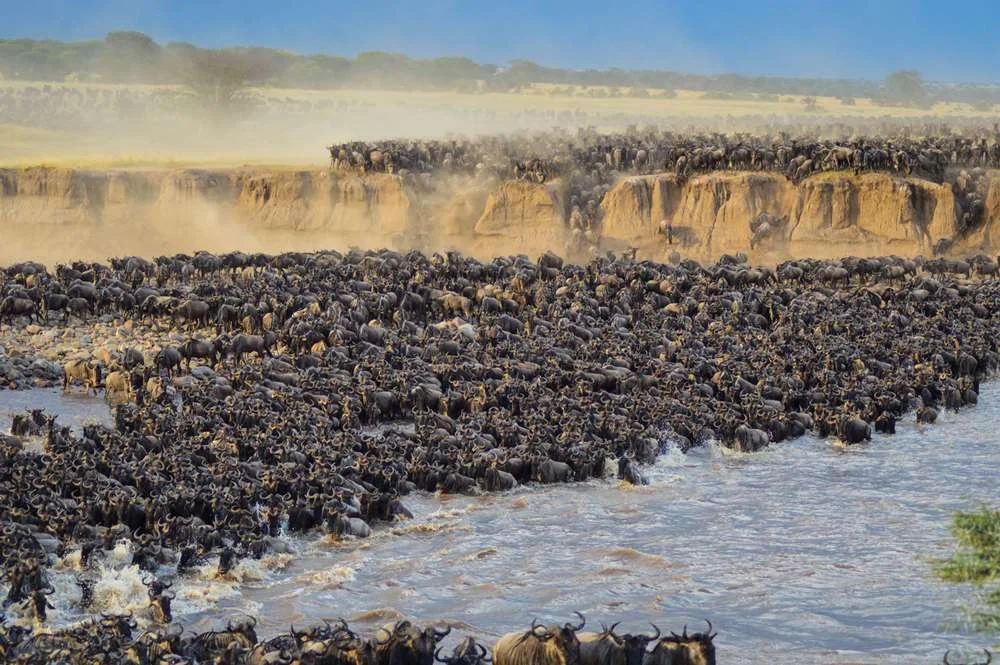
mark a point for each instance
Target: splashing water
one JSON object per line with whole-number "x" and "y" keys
{"x": 806, "y": 552}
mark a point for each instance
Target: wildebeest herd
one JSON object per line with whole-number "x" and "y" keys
{"x": 315, "y": 391}
{"x": 590, "y": 162}
{"x": 115, "y": 639}
{"x": 540, "y": 156}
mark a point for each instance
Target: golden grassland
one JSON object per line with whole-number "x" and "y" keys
{"x": 297, "y": 138}
{"x": 693, "y": 103}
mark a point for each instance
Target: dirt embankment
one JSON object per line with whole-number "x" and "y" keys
{"x": 59, "y": 214}
{"x": 827, "y": 215}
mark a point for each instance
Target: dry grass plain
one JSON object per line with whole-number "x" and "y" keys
{"x": 291, "y": 126}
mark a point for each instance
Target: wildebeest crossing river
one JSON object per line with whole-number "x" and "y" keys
{"x": 804, "y": 552}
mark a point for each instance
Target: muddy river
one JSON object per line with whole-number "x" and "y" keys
{"x": 803, "y": 553}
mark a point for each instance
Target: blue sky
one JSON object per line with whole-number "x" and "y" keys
{"x": 836, "y": 38}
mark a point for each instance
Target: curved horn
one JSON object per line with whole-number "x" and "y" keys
{"x": 946, "y": 657}
{"x": 437, "y": 656}
{"x": 583, "y": 622}
{"x": 613, "y": 626}
{"x": 657, "y": 636}
{"x": 250, "y": 617}
{"x": 538, "y": 631}
{"x": 684, "y": 633}
{"x": 989, "y": 657}
{"x": 441, "y": 634}
{"x": 710, "y": 634}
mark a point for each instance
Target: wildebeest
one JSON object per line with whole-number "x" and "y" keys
{"x": 629, "y": 472}
{"x": 684, "y": 649}
{"x": 751, "y": 439}
{"x": 32, "y": 423}
{"x": 132, "y": 358}
{"x": 497, "y": 480}
{"x": 466, "y": 652}
{"x": 86, "y": 372}
{"x": 159, "y": 603}
{"x": 168, "y": 358}
{"x": 193, "y": 312}
{"x": 609, "y": 648}
{"x": 403, "y": 643}
{"x": 550, "y": 471}
{"x": 12, "y": 307}
{"x": 197, "y": 348}
{"x": 118, "y": 384}
{"x": 853, "y": 430}
{"x": 540, "y": 645}
{"x": 240, "y": 636}
{"x": 244, "y": 344}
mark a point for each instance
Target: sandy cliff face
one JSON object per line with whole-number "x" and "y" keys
{"x": 73, "y": 213}
{"x": 69, "y": 213}
{"x": 986, "y": 236}
{"x": 528, "y": 214}
{"x": 712, "y": 213}
{"x": 377, "y": 204}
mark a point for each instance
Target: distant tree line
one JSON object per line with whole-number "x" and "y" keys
{"x": 133, "y": 57}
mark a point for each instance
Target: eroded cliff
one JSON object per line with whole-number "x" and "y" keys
{"x": 711, "y": 214}
{"x": 67, "y": 213}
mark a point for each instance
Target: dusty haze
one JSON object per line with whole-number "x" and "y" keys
{"x": 129, "y": 171}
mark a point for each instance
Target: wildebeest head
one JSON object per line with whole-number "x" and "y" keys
{"x": 634, "y": 645}
{"x": 117, "y": 625}
{"x": 408, "y": 644}
{"x": 989, "y": 659}
{"x": 245, "y": 626}
{"x": 467, "y": 652}
{"x": 160, "y": 605}
{"x": 563, "y": 637}
{"x": 684, "y": 649}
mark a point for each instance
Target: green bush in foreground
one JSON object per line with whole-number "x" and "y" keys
{"x": 976, "y": 560}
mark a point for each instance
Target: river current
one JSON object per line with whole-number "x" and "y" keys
{"x": 804, "y": 553}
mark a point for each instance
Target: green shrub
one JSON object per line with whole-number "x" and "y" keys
{"x": 976, "y": 560}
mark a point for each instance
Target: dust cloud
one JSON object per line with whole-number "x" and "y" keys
{"x": 117, "y": 160}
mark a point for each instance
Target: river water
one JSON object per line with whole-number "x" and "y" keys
{"x": 806, "y": 552}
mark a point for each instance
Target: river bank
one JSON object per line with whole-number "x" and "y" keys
{"x": 93, "y": 214}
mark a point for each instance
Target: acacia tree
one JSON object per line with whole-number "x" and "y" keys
{"x": 906, "y": 86}
{"x": 130, "y": 57}
{"x": 217, "y": 77}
